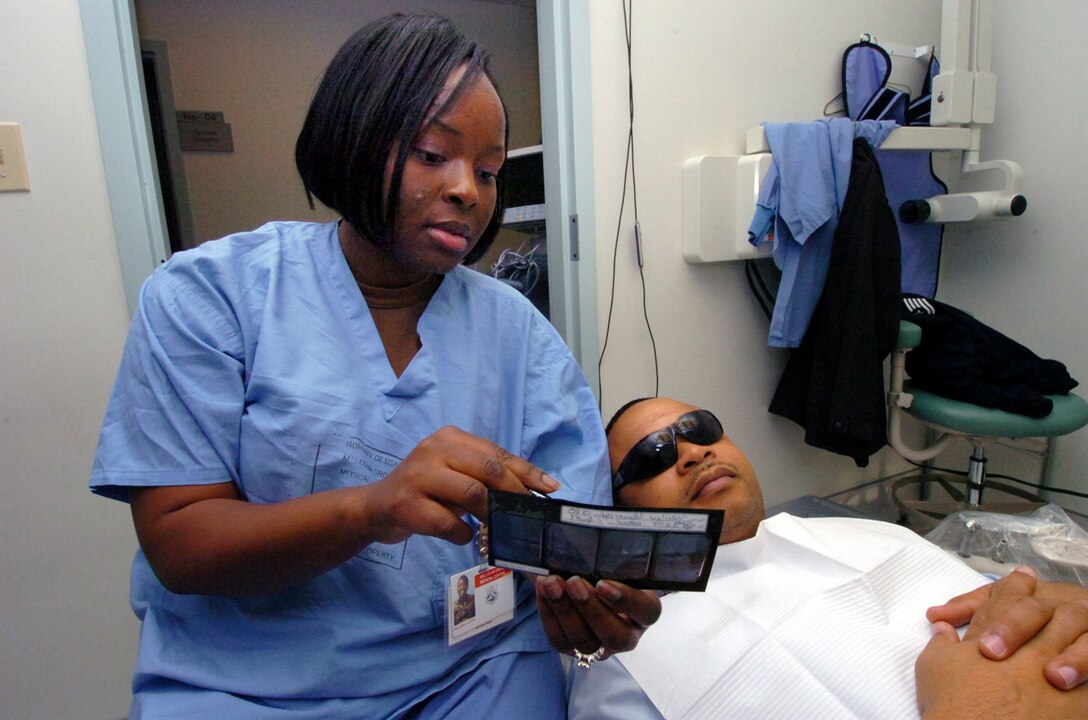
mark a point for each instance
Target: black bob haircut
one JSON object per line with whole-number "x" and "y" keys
{"x": 374, "y": 98}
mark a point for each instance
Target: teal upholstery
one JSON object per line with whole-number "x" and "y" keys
{"x": 910, "y": 335}
{"x": 1070, "y": 413}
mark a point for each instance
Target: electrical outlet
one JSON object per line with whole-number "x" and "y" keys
{"x": 13, "y": 175}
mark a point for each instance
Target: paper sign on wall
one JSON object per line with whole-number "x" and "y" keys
{"x": 204, "y": 131}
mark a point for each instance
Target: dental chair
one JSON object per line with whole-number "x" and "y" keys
{"x": 980, "y": 426}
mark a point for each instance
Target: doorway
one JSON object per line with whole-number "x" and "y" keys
{"x": 173, "y": 186}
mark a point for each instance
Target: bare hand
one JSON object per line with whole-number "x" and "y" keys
{"x": 611, "y": 616}
{"x": 955, "y": 682}
{"x": 1007, "y": 614}
{"x": 445, "y": 477}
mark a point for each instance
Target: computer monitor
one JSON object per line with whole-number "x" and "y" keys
{"x": 524, "y": 185}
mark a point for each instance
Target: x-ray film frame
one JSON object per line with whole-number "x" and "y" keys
{"x": 545, "y": 536}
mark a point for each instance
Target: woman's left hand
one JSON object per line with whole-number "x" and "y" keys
{"x": 610, "y": 617}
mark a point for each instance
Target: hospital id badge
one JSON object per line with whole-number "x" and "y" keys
{"x": 478, "y": 599}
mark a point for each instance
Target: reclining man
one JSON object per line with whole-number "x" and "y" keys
{"x": 822, "y": 617}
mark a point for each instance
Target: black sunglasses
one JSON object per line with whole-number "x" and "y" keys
{"x": 656, "y": 453}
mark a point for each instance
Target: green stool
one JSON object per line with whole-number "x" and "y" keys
{"x": 979, "y": 425}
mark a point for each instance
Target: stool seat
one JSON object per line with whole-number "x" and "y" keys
{"x": 1070, "y": 413}
{"x": 977, "y": 424}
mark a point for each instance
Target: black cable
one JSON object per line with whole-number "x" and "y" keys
{"x": 628, "y": 22}
{"x": 1037, "y": 486}
{"x": 1044, "y": 488}
{"x": 628, "y": 26}
{"x": 653, "y": 345}
{"x": 761, "y": 293}
{"x": 612, "y": 291}
{"x": 629, "y": 167}
{"x": 767, "y": 294}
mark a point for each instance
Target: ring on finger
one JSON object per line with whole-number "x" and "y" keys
{"x": 585, "y": 660}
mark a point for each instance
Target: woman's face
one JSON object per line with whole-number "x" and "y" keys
{"x": 448, "y": 190}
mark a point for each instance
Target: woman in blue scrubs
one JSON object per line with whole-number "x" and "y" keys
{"x": 308, "y": 418}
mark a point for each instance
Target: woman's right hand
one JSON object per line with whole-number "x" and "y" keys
{"x": 446, "y": 476}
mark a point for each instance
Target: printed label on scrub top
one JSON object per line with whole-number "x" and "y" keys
{"x": 348, "y": 461}
{"x": 478, "y": 599}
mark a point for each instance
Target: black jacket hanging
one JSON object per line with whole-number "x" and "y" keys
{"x": 833, "y": 384}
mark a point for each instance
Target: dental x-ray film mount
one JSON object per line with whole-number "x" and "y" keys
{"x": 656, "y": 549}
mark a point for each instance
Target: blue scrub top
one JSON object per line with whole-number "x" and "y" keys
{"x": 255, "y": 359}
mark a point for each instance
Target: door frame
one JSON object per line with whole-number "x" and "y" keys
{"x": 124, "y": 132}
{"x": 567, "y": 129}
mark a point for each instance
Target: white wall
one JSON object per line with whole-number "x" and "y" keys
{"x": 703, "y": 75}
{"x": 704, "y": 72}
{"x": 67, "y": 636}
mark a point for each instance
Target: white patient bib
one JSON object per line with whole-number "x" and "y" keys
{"x": 813, "y": 618}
